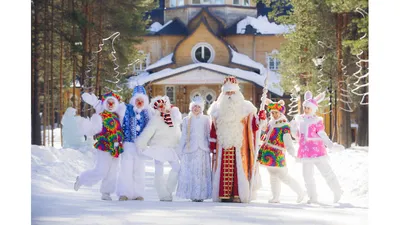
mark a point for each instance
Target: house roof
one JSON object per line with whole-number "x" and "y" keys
{"x": 273, "y": 78}
{"x": 172, "y": 27}
{"x": 244, "y": 60}
{"x": 260, "y": 25}
{"x": 203, "y": 20}
{"x": 162, "y": 62}
{"x": 220, "y": 23}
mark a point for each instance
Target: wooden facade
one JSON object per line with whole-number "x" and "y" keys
{"x": 209, "y": 24}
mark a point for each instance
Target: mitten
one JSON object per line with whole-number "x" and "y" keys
{"x": 213, "y": 146}
{"x": 90, "y": 99}
{"x": 337, "y": 147}
{"x": 262, "y": 115}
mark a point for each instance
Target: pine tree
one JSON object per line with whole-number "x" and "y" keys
{"x": 64, "y": 36}
{"x": 321, "y": 29}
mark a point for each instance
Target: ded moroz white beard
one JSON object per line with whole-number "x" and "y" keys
{"x": 229, "y": 126}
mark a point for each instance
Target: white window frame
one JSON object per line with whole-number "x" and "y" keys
{"x": 202, "y": 2}
{"x": 203, "y": 44}
{"x": 244, "y": 1}
{"x": 275, "y": 60}
{"x": 176, "y": 3}
{"x": 173, "y": 100}
{"x": 142, "y": 64}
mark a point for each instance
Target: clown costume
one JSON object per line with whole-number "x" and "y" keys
{"x": 277, "y": 141}
{"x": 107, "y": 129}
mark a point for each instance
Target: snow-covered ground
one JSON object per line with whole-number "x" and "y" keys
{"x": 54, "y": 200}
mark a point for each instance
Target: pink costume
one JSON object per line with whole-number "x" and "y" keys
{"x": 309, "y": 130}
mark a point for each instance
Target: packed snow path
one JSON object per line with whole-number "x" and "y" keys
{"x": 54, "y": 200}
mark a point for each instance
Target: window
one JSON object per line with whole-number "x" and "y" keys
{"x": 210, "y": 98}
{"x": 170, "y": 92}
{"x": 174, "y": 3}
{"x": 206, "y": 1}
{"x": 272, "y": 61}
{"x": 141, "y": 63}
{"x": 203, "y": 53}
{"x": 236, "y": 2}
{"x": 219, "y": 1}
{"x": 246, "y": 2}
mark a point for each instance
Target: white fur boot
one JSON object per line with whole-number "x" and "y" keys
{"x": 331, "y": 179}
{"x": 308, "y": 175}
{"x": 334, "y": 185}
{"x": 275, "y": 188}
{"x": 295, "y": 186}
{"x": 161, "y": 189}
{"x": 172, "y": 181}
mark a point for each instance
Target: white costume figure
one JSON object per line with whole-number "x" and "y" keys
{"x": 195, "y": 175}
{"x": 131, "y": 177}
{"x": 277, "y": 140}
{"x": 133, "y": 117}
{"x": 159, "y": 140}
{"x": 310, "y": 131}
{"x": 107, "y": 129}
{"x": 234, "y": 142}
{"x": 72, "y": 135}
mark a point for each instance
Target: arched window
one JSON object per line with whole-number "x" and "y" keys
{"x": 203, "y": 53}
{"x": 170, "y": 92}
{"x": 142, "y": 62}
{"x": 272, "y": 60}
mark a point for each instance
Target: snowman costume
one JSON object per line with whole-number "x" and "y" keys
{"x": 159, "y": 140}
{"x": 131, "y": 177}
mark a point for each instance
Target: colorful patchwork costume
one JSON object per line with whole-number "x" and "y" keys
{"x": 106, "y": 126}
{"x": 277, "y": 140}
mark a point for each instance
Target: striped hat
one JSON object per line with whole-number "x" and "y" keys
{"x": 159, "y": 103}
{"x": 110, "y": 94}
{"x": 276, "y": 106}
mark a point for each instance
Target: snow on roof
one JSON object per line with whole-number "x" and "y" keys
{"x": 155, "y": 27}
{"x": 273, "y": 81}
{"x": 244, "y": 60}
{"x": 262, "y": 25}
{"x": 162, "y": 62}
